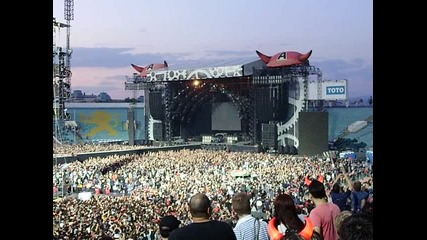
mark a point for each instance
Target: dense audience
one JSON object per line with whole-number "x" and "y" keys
{"x": 72, "y": 149}
{"x": 131, "y": 193}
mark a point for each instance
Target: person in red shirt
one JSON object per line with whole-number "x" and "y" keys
{"x": 324, "y": 212}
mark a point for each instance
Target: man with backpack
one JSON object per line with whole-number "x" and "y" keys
{"x": 247, "y": 227}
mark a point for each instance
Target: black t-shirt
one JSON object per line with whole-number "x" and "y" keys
{"x": 211, "y": 230}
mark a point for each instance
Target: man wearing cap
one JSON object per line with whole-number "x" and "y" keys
{"x": 202, "y": 226}
{"x": 167, "y": 225}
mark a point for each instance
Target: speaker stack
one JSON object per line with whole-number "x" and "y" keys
{"x": 269, "y": 136}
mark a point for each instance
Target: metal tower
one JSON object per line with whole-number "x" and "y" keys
{"x": 68, "y": 16}
{"x": 59, "y": 85}
{"x": 61, "y": 64}
{"x": 61, "y": 72}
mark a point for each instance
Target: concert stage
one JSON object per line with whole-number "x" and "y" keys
{"x": 239, "y": 97}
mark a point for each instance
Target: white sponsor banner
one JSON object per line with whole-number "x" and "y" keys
{"x": 328, "y": 90}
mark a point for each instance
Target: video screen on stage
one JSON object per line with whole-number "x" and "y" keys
{"x": 225, "y": 117}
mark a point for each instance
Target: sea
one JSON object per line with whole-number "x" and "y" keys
{"x": 341, "y": 117}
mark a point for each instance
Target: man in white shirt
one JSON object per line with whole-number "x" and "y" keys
{"x": 247, "y": 227}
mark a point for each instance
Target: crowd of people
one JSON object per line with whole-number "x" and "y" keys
{"x": 73, "y": 149}
{"x": 130, "y": 194}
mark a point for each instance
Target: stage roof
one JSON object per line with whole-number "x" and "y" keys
{"x": 207, "y": 63}
{"x": 206, "y": 69}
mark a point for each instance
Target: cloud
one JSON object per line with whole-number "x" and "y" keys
{"x": 98, "y": 70}
{"x": 110, "y": 57}
{"x": 101, "y": 79}
{"x": 122, "y": 57}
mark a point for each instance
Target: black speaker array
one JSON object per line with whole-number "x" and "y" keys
{"x": 263, "y": 106}
{"x": 158, "y": 131}
{"x": 271, "y": 103}
{"x": 131, "y": 127}
{"x": 269, "y": 135}
{"x": 156, "y": 105}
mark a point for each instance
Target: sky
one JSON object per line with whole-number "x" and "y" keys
{"x": 108, "y": 35}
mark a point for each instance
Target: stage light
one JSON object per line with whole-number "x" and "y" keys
{"x": 196, "y": 83}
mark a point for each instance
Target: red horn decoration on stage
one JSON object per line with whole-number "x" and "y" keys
{"x": 304, "y": 57}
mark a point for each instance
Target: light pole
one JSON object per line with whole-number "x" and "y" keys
{"x": 74, "y": 126}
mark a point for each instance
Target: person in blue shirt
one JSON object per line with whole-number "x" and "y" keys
{"x": 338, "y": 195}
{"x": 358, "y": 197}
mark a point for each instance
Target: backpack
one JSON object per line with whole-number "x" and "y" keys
{"x": 292, "y": 234}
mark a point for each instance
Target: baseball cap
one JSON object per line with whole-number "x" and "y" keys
{"x": 170, "y": 222}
